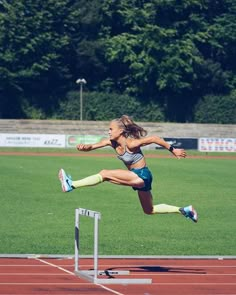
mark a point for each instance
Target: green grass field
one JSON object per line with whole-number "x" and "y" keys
{"x": 36, "y": 217}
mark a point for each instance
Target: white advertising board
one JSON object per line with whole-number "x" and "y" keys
{"x": 32, "y": 140}
{"x": 206, "y": 144}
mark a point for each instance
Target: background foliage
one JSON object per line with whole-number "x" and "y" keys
{"x": 163, "y": 55}
{"x": 100, "y": 106}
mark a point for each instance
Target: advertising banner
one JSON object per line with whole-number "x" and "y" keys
{"x": 206, "y": 144}
{"x": 182, "y": 143}
{"x": 32, "y": 140}
{"x": 73, "y": 140}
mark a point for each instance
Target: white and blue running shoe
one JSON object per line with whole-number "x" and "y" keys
{"x": 189, "y": 212}
{"x": 66, "y": 181}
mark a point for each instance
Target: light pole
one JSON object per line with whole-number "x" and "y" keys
{"x": 81, "y": 82}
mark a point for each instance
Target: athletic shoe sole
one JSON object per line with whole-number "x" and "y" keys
{"x": 66, "y": 187}
{"x": 190, "y": 212}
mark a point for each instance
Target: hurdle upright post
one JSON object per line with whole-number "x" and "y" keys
{"x": 96, "y": 216}
{"x": 76, "y": 239}
{"x": 96, "y": 235}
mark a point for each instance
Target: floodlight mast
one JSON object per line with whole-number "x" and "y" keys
{"x": 81, "y": 82}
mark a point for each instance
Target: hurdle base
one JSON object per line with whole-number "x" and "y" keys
{"x": 89, "y": 276}
{"x": 108, "y": 272}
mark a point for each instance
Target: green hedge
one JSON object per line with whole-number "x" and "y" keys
{"x": 106, "y": 106}
{"x": 219, "y": 109}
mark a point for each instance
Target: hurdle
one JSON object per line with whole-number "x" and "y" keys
{"x": 95, "y": 275}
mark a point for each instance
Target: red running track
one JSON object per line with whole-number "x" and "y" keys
{"x": 43, "y": 276}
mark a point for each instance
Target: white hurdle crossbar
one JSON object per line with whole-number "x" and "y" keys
{"x": 95, "y": 275}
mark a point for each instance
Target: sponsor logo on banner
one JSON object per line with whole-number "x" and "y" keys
{"x": 73, "y": 140}
{"x": 206, "y": 144}
{"x": 181, "y": 143}
{"x": 32, "y": 140}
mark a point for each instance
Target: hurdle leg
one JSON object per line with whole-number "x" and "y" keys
{"x": 76, "y": 239}
{"x": 90, "y": 275}
{"x": 96, "y": 234}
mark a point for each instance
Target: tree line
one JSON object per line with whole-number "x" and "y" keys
{"x": 157, "y": 60}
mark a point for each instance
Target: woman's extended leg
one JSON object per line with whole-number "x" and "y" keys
{"x": 117, "y": 176}
{"x": 123, "y": 177}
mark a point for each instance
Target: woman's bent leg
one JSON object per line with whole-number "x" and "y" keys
{"x": 148, "y": 207}
{"x": 145, "y": 199}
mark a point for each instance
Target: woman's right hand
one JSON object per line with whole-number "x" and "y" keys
{"x": 84, "y": 147}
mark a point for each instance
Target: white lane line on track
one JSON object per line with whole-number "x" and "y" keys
{"x": 136, "y": 274}
{"x": 55, "y": 266}
{"x": 69, "y": 272}
{"x": 113, "y": 291}
{"x": 31, "y": 274}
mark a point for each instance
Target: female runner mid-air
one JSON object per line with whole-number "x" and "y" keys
{"x": 127, "y": 138}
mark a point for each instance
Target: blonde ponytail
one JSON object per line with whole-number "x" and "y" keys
{"x": 131, "y": 129}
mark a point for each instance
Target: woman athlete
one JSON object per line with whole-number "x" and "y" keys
{"x": 127, "y": 138}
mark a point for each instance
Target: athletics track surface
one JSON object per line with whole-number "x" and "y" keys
{"x": 54, "y": 276}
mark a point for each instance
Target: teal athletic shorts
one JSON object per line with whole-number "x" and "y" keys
{"x": 146, "y": 176}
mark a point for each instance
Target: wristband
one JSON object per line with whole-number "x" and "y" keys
{"x": 171, "y": 148}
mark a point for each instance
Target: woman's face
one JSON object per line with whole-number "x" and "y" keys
{"x": 115, "y": 131}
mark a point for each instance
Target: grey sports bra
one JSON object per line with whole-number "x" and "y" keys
{"x": 131, "y": 158}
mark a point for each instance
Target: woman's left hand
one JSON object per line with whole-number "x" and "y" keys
{"x": 179, "y": 153}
